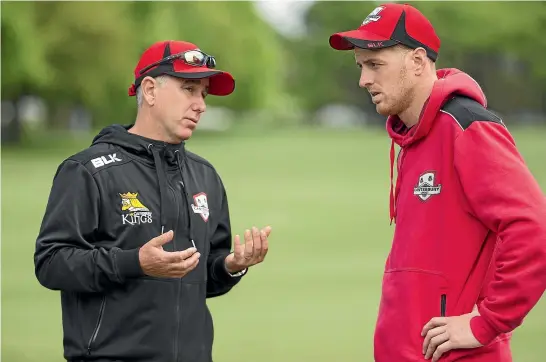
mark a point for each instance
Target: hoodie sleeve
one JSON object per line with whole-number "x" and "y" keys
{"x": 65, "y": 257}
{"x": 505, "y": 197}
{"x": 220, "y": 281}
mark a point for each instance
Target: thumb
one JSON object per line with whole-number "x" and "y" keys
{"x": 162, "y": 239}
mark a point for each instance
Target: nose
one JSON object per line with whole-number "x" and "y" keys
{"x": 199, "y": 105}
{"x": 366, "y": 78}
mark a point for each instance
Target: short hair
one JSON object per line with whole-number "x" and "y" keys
{"x": 160, "y": 80}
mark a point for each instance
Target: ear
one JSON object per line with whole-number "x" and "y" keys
{"x": 149, "y": 89}
{"x": 419, "y": 60}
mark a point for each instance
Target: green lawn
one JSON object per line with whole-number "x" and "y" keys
{"x": 325, "y": 193}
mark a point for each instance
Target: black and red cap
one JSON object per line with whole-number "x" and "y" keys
{"x": 183, "y": 60}
{"x": 388, "y": 25}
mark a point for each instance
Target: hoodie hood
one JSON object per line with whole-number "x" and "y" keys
{"x": 160, "y": 155}
{"x": 451, "y": 82}
{"x": 137, "y": 145}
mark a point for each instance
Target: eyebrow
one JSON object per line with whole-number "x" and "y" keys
{"x": 195, "y": 82}
{"x": 192, "y": 81}
{"x": 372, "y": 59}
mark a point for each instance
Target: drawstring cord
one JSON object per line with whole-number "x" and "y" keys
{"x": 185, "y": 196}
{"x": 162, "y": 180}
{"x": 392, "y": 209}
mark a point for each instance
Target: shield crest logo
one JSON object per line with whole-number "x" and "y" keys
{"x": 200, "y": 205}
{"x": 426, "y": 186}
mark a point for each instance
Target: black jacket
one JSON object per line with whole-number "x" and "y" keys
{"x": 105, "y": 203}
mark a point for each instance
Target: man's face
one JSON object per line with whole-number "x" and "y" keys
{"x": 178, "y": 106}
{"x": 384, "y": 73}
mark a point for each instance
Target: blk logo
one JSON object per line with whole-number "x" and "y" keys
{"x": 104, "y": 160}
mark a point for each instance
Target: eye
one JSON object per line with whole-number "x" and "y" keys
{"x": 374, "y": 65}
{"x": 189, "y": 88}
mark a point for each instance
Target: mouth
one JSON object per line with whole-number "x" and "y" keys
{"x": 374, "y": 96}
{"x": 192, "y": 124}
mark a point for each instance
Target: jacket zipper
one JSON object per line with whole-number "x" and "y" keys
{"x": 185, "y": 199}
{"x": 97, "y": 327}
{"x": 178, "y": 284}
{"x": 443, "y": 305}
{"x": 186, "y": 210}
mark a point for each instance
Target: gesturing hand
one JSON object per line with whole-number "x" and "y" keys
{"x": 251, "y": 253}
{"x": 157, "y": 262}
{"x": 443, "y": 334}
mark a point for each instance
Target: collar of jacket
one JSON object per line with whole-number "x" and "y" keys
{"x": 140, "y": 147}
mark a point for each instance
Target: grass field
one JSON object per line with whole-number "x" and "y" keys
{"x": 315, "y": 298}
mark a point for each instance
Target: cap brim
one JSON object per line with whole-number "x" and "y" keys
{"x": 221, "y": 83}
{"x": 348, "y": 40}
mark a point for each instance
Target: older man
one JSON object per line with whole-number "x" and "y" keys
{"x": 136, "y": 234}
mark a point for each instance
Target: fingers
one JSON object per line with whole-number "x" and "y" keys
{"x": 178, "y": 256}
{"x": 430, "y": 335}
{"x": 248, "y": 245}
{"x": 257, "y": 241}
{"x": 184, "y": 267}
{"x": 176, "y": 266}
{"x": 162, "y": 239}
{"x": 443, "y": 348}
{"x": 265, "y": 243}
{"x": 238, "y": 247}
{"x": 185, "y": 254}
{"x": 440, "y": 338}
{"x": 433, "y": 323}
{"x": 255, "y": 246}
{"x": 267, "y": 230}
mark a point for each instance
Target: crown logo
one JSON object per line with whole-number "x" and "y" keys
{"x": 129, "y": 195}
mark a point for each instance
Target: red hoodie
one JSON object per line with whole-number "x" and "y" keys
{"x": 470, "y": 228}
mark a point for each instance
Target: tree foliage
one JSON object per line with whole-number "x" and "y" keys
{"x": 498, "y": 43}
{"x": 84, "y": 53}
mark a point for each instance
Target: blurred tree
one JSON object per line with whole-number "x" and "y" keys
{"x": 485, "y": 39}
{"x": 84, "y": 53}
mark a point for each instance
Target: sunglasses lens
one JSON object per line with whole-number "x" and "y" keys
{"x": 194, "y": 58}
{"x": 211, "y": 62}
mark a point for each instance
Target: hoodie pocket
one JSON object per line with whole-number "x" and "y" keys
{"x": 134, "y": 321}
{"x": 410, "y": 298}
{"x": 97, "y": 326}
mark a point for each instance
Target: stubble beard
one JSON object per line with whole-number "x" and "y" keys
{"x": 398, "y": 103}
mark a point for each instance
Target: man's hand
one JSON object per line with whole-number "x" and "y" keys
{"x": 157, "y": 262}
{"x": 251, "y": 253}
{"x": 443, "y": 334}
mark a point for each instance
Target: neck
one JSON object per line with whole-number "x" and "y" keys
{"x": 147, "y": 127}
{"x": 410, "y": 116}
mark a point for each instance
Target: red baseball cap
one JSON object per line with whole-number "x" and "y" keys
{"x": 183, "y": 60}
{"x": 388, "y": 25}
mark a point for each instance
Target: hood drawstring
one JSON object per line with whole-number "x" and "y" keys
{"x": 395, "y": 190}
{"x": 185, "y": 196}
{"x": 392, "y": 208}
{"x": 162, "y": 180}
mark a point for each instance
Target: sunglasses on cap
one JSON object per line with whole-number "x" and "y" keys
{"x": 196, "y": 58}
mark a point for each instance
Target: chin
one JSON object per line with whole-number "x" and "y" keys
{"x": 384, "y": 110}
{"x": 184, "y": 134}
